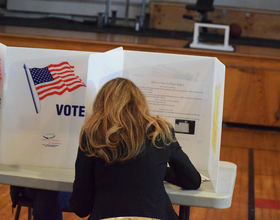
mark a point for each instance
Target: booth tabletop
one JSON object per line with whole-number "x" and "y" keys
{"x": 62, "y": 180}
{"x": 56, "y": 179}
{"x": 206, "y": 196}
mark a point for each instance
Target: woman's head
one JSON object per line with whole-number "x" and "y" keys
{"x": 120, "y": 122}
{"x": 120, "y": 99}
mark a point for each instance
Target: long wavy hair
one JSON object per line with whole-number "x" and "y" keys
{"x": 120, "y": 122}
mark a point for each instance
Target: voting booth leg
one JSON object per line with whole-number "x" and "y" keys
{"x": 184, "y": 212}
{"x": 29, "y": 213}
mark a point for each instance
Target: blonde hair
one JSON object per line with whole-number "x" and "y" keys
{"x": 120, "y": 122}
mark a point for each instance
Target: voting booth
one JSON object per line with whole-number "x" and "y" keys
{"x": 46, "y": 95}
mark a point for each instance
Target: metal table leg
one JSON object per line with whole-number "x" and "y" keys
{"x": 184, "y": 212}
{"x": 126, "y": 16}
{"x": 142, "y": 13}
{"x": 106, "y": 11}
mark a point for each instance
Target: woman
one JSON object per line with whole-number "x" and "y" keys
{"x": 123, "y": 156}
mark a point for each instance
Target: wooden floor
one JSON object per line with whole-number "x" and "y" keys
{"x": 255, "y": 152}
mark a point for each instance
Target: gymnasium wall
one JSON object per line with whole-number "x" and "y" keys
{"x": 255, "y": 23}
{"x": 93, "y": 7}
{"x": 273, "y": 5}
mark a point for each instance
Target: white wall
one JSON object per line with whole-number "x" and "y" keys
{"x": 75, "y": 7}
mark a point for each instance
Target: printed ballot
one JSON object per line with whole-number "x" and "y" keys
{"x": 46, "y": 95}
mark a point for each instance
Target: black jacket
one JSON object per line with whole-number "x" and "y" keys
{"x": 132, "y": 188}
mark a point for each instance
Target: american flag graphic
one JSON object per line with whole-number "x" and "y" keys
{"x": 55, "y": 79}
